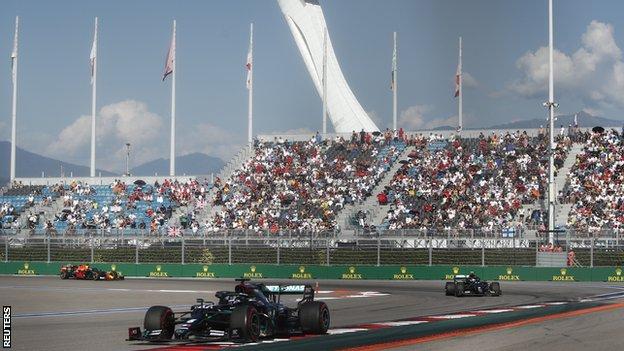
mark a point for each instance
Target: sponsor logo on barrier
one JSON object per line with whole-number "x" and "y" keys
{"x": 451, "y": 276}
{"x": 563, "y": 276}
{"x": 404, "y": 275}
{"x": 252, "y": 274}
{"x": 509, "y": 275}
{"x": 301, "y": 274}
{"x": 158, "y": 273}
{"x": 205, "y": 273}
{"x": 617, "y": 277}
{"x": 26, "y": 270}
{"x": 351, "y": 274}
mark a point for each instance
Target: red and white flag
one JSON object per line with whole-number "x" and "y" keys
{"x": 174, "y": 232}
{"x": 249, "y": 64}
{"x": 457, "y": 79}
{"x": 170, "y": 62}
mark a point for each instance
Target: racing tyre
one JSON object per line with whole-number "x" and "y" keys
{"x": 64, "y": 275}
{"x": 95, "y": 276}
{"x": 495, "y": 288}
{"x": 314, "y": 317}
{"x": 246, "y": 319}
{"x": 449, "y": 288}
{"x": 459, "y": 289}
{"x": 160, "y": 318}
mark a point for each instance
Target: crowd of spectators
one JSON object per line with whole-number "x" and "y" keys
{"x": 303, "y": 185}
{"x": 595, "y": 185}
{"x": 472, "y": 184}
{"x": 120, "y": 205}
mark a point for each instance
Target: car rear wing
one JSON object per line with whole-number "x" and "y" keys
{"x": 293, "y": 289}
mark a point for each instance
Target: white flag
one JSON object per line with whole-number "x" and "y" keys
{"x": 93, "y": 55}
{"x": 249, "y": 63}
{"x": 14, "y": 52}
{"x": 170, "y": 56}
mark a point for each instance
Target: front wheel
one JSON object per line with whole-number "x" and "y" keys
{"x": 64, "y": 275}
{"x": 314, "y": 317}
{"x": 160, "y": 318}
{"x": 246, "y": 320}
{"x": 460, "y": 287}
{"x": 449, "y": 288}
{"x": 495, "y": 289}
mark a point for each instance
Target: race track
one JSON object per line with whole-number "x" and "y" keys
{"x": 52, "y": 314}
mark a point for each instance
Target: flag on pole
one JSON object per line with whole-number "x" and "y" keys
{"x": 457, "y": 79}
{"x": 575, "y": 120}
{"x": 394, "y": 68}
{"x": 14, "y": 52}
{"x": 170, "y": 58}
{"x": 93, "y": 55}
{"x": 249, "y": 63}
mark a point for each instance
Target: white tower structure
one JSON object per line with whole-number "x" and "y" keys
{"x": 307, "y": 25}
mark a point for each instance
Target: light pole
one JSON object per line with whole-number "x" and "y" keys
{"x": 127, "y": 159}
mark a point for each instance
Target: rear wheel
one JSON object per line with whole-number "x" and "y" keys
{"x": 459, "y": 289}
{"x": 495, "y": 289}
{"x": 160, "y": 318}
{"x": 449, "y": 288}
{"x": 64, "y": 275}
{"x": 246, "y": 320}
{"x": 314, "y": 317}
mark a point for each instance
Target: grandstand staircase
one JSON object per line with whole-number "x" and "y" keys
{"x": 224, "y": 174}
{"x": 375, "y": 213}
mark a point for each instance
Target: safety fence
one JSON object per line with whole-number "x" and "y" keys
{"x": 345, "y": 272}
{"x": 377, "y": 251}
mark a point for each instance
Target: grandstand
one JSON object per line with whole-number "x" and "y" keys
{"x": 366, "y": 197}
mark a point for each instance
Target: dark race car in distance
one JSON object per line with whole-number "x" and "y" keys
{"x": 87, "y": 272}
{"x": 471, "y": 285}
{"x": 250, "y": 312}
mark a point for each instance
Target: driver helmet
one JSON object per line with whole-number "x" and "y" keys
{"x": 472, "y": 275}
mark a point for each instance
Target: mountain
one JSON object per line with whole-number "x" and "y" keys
{"x": 29, "y": 164}
{"x": 195, "y": 163}
{"x": 584, "y": 119}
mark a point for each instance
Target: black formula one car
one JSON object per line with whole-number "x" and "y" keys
{"x": 250, "y": 312}
{"x": 471, "y": 285}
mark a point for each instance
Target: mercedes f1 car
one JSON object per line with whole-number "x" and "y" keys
{"x": 86, "y": 272}
{"x": 471, "y": 285}
{"x": 250, "y": 312}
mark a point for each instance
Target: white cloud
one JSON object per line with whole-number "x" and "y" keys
{"x": 593, "y": 73}
{"x": 413, "y": 118}
{"x": 147, "y": 132}
{"x": 118, "y": 123}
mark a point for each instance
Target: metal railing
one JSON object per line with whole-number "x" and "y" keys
{"x": 287, "y": 248}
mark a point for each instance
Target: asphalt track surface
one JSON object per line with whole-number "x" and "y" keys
{"x": 53, "y": 314}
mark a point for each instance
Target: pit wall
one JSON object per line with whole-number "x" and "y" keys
{"x": 260, "y": 271}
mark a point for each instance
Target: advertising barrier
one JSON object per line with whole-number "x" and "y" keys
{"x": 343, "y": 272}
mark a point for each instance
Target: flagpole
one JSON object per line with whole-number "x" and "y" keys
{"x": 14, "y": 110}
{"x": 325, "y": 82}
{"x": 93, "y": 100}
{"x": 551, "y": 112}
{"x": 394, "y": 85}
{"x": 250, "y": 92}
{"x": 461, "y": 94}
{"x": 173, "y": 96}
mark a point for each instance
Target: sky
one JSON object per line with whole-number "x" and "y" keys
{"x": 505, "y": 69}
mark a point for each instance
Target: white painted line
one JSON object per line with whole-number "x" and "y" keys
{"x": 556, "y": 303}
{"x": 344, "y": 330}
{"x": 399, "y": 323}
{"x": 502, "y": 310}
{"x": 526, "y": 307}
{"x": 454, "y": 316}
